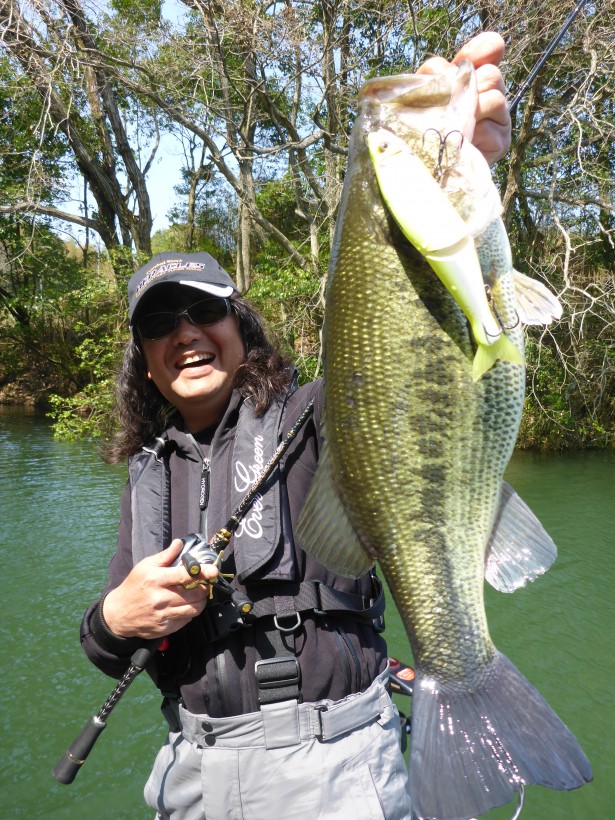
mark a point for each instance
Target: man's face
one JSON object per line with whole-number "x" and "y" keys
{"x": 193, "y": 367}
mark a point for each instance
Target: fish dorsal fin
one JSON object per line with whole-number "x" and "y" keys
{"x": 535, "y": 303}
{"x": 324, "y": 529}
{"x": 519, "y": 548}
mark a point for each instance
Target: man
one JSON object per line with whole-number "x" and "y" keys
{"x": 282, "y": 712}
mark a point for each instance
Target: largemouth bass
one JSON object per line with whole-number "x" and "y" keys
{"x": 417, "y": 437}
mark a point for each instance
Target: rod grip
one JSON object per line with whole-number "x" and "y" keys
{"x": 71, "y": 761}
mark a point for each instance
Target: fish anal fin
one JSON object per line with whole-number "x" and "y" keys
{"x": 519, "y": 548}
{"x": 487, "y": 355}
{"x": 324, "y": 529}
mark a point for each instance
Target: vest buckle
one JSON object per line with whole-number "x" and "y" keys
{"x": 277, "y": 679}
{"x": 287, "y": 629}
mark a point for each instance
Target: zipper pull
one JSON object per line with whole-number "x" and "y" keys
{"x": 204, "y": 494}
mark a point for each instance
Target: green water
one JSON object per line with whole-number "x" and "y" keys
{"x": 58, "y": 529}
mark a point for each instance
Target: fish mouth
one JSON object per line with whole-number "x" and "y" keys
{"x": 412, "y": 90}
{"x": 194, "y": 360}
{"x": 419, "y": 90}
{"x": 412, "y": 105}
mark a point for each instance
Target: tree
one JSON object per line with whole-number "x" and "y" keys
{"x": 53, "y": 48}
{"x": 560, "y": 214}
{"x": 262, "y": 95}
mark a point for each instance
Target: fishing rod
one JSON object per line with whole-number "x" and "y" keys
{"x": 545, "y": 56}
{"x": 75, "y": 756}
{"x": 196, "y": 551}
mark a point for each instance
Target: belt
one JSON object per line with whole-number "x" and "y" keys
{"x": 288, "y": 723}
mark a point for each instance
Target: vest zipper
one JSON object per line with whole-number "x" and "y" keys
{"x": 344, "y": 655}
{"x": 204, "y": 486}
{"x": 351, "y": 657}
{"x": 204, "y": 494}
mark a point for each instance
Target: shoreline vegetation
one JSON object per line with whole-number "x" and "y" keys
{"x": 541, "y": 429}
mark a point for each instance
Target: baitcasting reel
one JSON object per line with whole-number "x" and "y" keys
{"x": 196, "y": 552}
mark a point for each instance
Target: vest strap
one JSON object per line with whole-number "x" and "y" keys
{"x": 220, "y": 618}
{"x": 150, "y": 492}
{"x": 278, "y": 676}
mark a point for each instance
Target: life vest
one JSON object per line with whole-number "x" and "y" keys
{"x": 261, "y": 533}
{"x": 263, "y": 549}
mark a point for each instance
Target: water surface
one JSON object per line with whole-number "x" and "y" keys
{"x": 58, "y": 528}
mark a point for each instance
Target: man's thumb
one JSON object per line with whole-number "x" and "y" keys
{"x": 168, "y": 557}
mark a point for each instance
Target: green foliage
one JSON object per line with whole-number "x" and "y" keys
{"x": 261, "y": 97}
{"x": 289, "y": 299}
{"x": 85, "y": 415}
{"x": 60, "y": 328}
{"x": 88, "y": 413}
{"x": 22, "y": 137}
{"x": 86, "y": 409}
{"x": 212, "y": 228}
{"x": 36, "y": 271}
{"x": 556, "y": 414}
{"x": 277, "y": 199}
{"x": 137, "y": 10}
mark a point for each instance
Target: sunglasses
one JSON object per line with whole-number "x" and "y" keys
{"x": 154, "y": 326}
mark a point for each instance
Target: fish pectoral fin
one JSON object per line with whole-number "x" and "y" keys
{"x": 487, "y": 355}
{"x": 519, "y": 548}
{"x": 535, "y": 303}
{"x": 324, "y": 529}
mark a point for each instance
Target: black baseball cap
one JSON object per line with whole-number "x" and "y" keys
{"x": 195, "y": 270}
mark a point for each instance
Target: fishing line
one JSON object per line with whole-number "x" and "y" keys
{"x": 519, "y": 807}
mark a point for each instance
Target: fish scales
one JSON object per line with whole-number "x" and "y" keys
{"x": 415, "y": 451}
{"x": 420, "y": 491}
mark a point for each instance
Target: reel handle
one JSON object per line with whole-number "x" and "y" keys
{"x": 241, "y": 602}
{"x": 197, "y": 552}
{"x": 71, "y": 761}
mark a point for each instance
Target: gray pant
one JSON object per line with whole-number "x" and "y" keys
{"x": 306, "y": 762}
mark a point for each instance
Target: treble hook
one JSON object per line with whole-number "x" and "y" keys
{"x": 438, "y": 171}
{"x": 491, "y": 304}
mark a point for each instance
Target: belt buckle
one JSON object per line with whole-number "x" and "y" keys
{"x": 318, "y": 610}
{"x": 378, "y": 623}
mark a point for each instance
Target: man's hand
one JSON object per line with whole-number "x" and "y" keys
{"x": 152, "y": 602}
{"x": 492, "y": 133}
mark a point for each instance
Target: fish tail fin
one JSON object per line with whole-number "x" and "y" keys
{"x": 487, "y": 355}
{"x": 473, "y": 750}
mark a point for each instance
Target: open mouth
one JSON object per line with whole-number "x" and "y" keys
{"x": 196, "y": 360}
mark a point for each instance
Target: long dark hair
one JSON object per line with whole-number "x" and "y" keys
{"x": 143, "y": 412}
